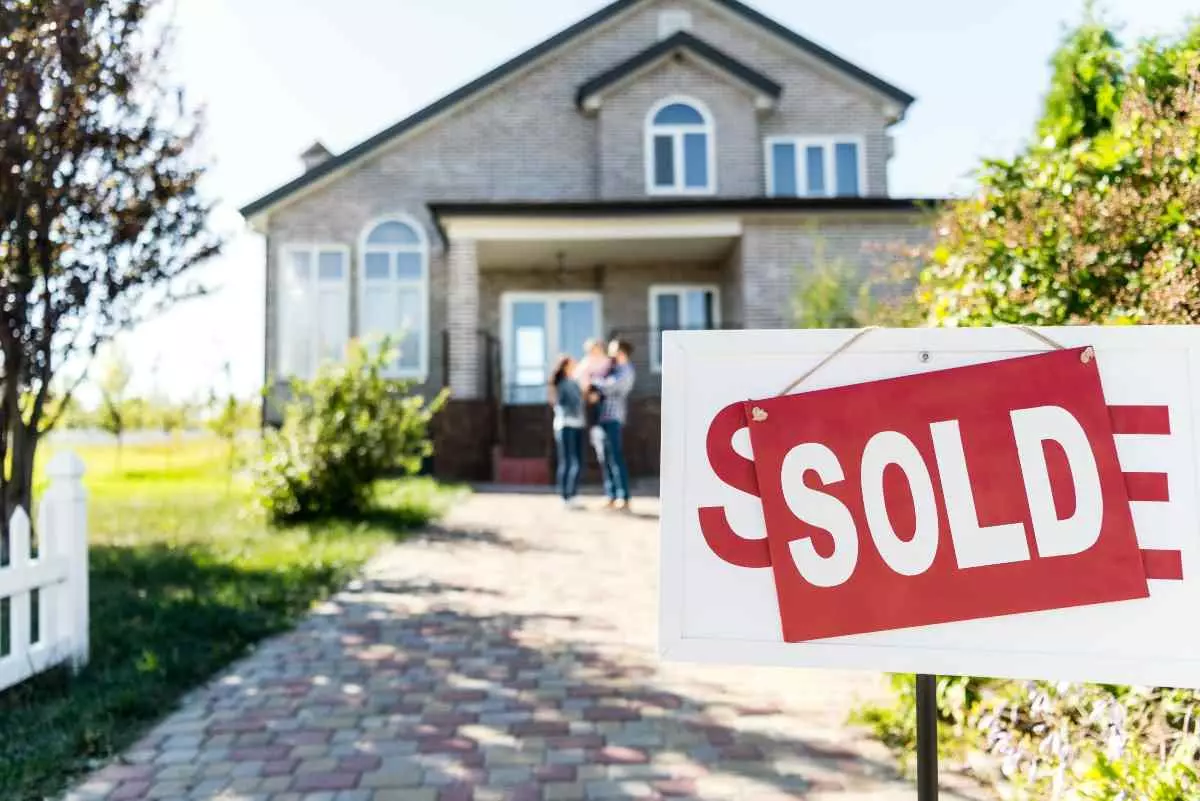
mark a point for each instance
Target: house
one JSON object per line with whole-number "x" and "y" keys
{"x": 660, "y": 164}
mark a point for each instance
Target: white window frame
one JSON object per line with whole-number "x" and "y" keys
{"x": 283, "y": 321}
{"x": 676, "y": 132}
{"x": 827, "y": 143}
{"x": 673, "y": 20}
{"x": 421, "y": 372}
{"x": 507, "y": 299}
{"x": 658, "y": 290}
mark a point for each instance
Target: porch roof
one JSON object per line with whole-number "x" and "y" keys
{"x": 648, "y": 218}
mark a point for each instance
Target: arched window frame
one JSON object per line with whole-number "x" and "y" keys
{"x": 676, "y": 132}
{"x": 421, "y": 248}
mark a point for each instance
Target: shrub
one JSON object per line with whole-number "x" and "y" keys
{"x": 342, "y": 431}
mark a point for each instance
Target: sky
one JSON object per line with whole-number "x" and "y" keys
{"x": 274, "y": 75}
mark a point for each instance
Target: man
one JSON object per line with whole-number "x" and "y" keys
{"x": 607, "y": 435}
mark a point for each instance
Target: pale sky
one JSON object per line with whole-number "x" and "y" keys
{"x": 273, "y": 75}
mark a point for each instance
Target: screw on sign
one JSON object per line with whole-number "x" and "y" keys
{"x": 958, "y": 494}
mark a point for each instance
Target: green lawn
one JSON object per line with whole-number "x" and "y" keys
{"x": 185, "y": 577}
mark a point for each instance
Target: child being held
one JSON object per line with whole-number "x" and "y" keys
{"x": 595, "y": 365}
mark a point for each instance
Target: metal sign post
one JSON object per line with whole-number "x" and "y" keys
{"x": 927, "y": 745}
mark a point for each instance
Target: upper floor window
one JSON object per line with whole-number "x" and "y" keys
{"x": 827, "y": 166}
{"x": 314, "y": 307}
{"x": 394, "y": 292}
{"x": 679, "y": 149}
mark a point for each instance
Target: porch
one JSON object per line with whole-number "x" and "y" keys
{"x": 523, "y": 291}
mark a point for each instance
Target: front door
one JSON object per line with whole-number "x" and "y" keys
{"x": 536, "y": 328}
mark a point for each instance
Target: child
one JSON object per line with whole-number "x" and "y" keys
{"x": 595, "y": 365}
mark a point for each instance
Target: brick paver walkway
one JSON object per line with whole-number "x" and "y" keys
{"x": 506, "y": 654}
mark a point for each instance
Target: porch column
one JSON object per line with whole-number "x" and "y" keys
{"x": 463, "y": 318}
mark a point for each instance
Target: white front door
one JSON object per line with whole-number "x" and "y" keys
{"x": 536, "y": 328}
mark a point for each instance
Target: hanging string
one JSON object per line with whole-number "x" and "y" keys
{"x": 862, "y": 332}
{"x": 859, "y": 334}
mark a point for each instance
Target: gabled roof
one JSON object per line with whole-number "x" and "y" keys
{"x": 531, "y": 55}
{"x": 678, "y": 42}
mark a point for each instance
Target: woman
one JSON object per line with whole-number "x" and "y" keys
{"x": 566, "y": 396}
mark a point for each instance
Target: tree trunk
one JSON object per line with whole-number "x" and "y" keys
{"x": 18, "y": 484}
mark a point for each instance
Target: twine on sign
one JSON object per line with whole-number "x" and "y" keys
{"x": 859, "y": 334}
{"x": 1085, "y": 357}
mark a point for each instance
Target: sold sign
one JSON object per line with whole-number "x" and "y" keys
{"x": 959, "y": 494}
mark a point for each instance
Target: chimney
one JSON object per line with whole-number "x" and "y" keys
{"x": 316, "y": 154}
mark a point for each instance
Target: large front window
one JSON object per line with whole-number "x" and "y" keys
{"x": 675, "y": 307}
{"x": 314, "y": 309}
{"x": 394, "y": 291}
{"x": 829, "y": 166}
{"x": 679, "y": 149}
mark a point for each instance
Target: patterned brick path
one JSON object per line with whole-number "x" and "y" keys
{"x": 507, "y": 654}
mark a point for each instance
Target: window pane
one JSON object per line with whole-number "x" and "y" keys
{"x": 699, "y": 309}
{"x": 411, "y": 328}
{"x": 408, "y": 266}
{"x": 393, "y": 233}
{"x": 668, "y": 311}
{"x": 330, "y": 266}
{"x": 846, "y": 159}
{"x": 378, "y": 314}
{"x": 695, "y": 160}
{"x": 664, "y": 161}
{"x": 530, "y": 355}
{"x": 299, "y": 329}
{"x": 527, "y": 355}
{"x": 814, "y": 165}
{"x": 301, "y": 266}
{"x": 576, "y": 323}
{"x": 334, "y": 324}
{"x": 377, "y": 267}
{"x": 678, "y": 114}
{"x": 783, "y": 169}
{"x": 529, "y": 313}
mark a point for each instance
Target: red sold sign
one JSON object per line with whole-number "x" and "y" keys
{"x": 966, "y": 493}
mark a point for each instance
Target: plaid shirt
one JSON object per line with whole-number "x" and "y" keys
{"x": 616, "y": 388}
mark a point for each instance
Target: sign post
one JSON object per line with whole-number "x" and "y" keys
{"x": 927, "y": 739}
{"x": 1001, "y": 502}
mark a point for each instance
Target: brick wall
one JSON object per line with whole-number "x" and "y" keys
{"x": 774, "y": 252}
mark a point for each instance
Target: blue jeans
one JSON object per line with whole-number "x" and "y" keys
{"x": 611, "y": 453}
{"x": 569, "y": 442}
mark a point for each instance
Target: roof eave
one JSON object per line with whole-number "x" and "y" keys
{"x": 588, "y": 96}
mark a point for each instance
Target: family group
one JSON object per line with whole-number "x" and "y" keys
{"x": 592, "y": 394}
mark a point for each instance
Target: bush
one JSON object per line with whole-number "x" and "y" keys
{"x": 342, "y": 431}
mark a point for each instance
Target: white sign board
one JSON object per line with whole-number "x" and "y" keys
{"x": 715, "y": 611}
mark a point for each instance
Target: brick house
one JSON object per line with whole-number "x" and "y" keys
{"x": 660, "y": 164}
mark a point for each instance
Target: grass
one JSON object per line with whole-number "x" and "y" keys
{"x": 185, "y": 578}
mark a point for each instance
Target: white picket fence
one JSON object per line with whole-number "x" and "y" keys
{"x": 58, "y": 573}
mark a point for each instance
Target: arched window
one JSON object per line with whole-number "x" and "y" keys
{"x": 679, "y": 148}
{"x": 394, "y": 292}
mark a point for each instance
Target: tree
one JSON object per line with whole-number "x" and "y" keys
{"x": 115, "y": 377}
{"x": 1101, "y": 227}
{"x": 100, "y": 215}
{"x": 1087, "y": 83}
